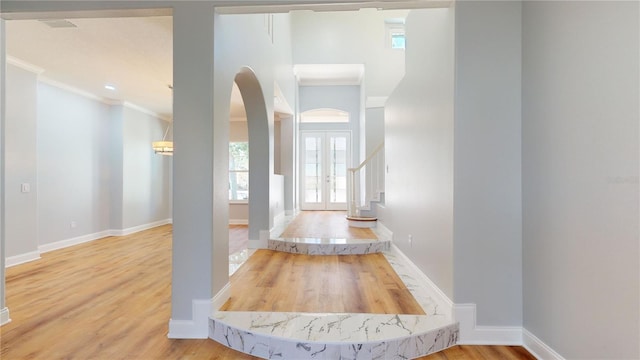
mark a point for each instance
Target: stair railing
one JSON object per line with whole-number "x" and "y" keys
{"x": 365, "y": 182}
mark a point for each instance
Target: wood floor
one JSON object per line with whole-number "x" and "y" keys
{"x": 238, "y": 238}
{"x": 325, "y": 224}
{"x": 110, "y": 299}
{"x": 284, "y": 282}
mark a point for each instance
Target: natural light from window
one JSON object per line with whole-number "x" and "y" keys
{"x": 324, "y": 116}
{"x": 239, "y": 171}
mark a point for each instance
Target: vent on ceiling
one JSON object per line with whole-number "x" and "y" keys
{"x": 58, "y": 23}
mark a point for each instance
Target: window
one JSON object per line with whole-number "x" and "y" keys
{"x": 395, "y": 34}
{"x": 324, "y": 116}
{"x": 239, "y": 171}
{"x": 398, "y": 40}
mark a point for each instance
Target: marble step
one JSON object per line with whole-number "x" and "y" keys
{"x": 328, "y": 246}
{"x": 271, "y": 335}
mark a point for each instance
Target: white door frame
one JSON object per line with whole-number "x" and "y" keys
{"x": 325, "y": 203}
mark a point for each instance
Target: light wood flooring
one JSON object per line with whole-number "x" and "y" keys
{"x": 324, "y": 224}
{"x": 284, "y": 282}
{"x": 238, "y": 238}
{"x": 110, "y": 299}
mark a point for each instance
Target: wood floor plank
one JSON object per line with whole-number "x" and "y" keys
{"x": 325, "y": 224}
{"x": 110, "y": 299}
{"x": 307, "y": 283}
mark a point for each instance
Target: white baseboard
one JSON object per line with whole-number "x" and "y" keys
{"x": 221, "y": 297}
{"x": 73, "y": 241}
{"x": 135, "y": 229}
{"x": 472, "y": 334}
{"x": 440, "y": 297}
{"x": 383, "y": 231}
{"x": 279, "y": 219}
{"x": 261, "y": 243}
{"x": 238, "y": 222}
{"x": 4, "y": 316}
{"x": 197, "y": 327}
{"x": 22, "y": 258}
{"x": 35, "y": 255}
{"x": 538, "y": 348}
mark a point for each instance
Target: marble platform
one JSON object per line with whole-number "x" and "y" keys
{"x": 328, "y": 246}
{"x": 271, "y": 335}
{"x": 332, "y": 336}
{"x": 282, "y": 335}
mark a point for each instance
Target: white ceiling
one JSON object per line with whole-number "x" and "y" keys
{"x": 135, "y": 54}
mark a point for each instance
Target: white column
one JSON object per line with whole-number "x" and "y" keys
{"x": 196, "y": 180}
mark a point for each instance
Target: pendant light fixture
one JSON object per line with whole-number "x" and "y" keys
{"x": 164, "y": 147}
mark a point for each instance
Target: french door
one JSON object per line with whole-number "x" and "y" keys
{"x": 325, "y": 157}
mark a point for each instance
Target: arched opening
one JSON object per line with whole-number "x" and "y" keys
{"x": 260, "y": 150}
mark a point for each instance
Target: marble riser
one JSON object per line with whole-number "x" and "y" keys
{"x": 321, "y": 343}
{"x": 314, "y": 247}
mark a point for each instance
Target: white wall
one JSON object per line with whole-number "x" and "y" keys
{"x": 350, "y": 38}
{"x": 487, "y": 162}
{"x": 419, "y": 148}
{"x": 374, "y": 129}
{"x": 73, "y": 165}
{"x": 580, "y": 177}
{"x": 75, "y": 168}
{"x": 20, "y": 160}
{"x": 146, "y": 176}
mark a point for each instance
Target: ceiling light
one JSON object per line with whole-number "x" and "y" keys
{"x": 164, "y": 147}
{"x": 110, "y": 87}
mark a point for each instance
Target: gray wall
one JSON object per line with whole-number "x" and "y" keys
{"x": 487, "y": 162}
{"x": 580, "y": 177}
{"x": 20, "y": 161}
{"x": 345, "y": 98}
{"x": 419, "y": 148}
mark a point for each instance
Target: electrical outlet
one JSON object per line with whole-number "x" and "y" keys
{"x": 73, "y": 225}
{"x": 410, "y": 240}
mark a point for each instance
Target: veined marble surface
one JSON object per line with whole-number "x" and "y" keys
{"x": 328, "y": 246}
{"x": 431, "y": 302}
{"x": 332, "y": 336}
{"x": 238, "y": 258}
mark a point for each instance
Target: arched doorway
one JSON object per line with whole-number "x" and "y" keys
{"x": 260, "y": 156}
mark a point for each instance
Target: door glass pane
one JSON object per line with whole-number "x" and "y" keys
{"x": 338, "y": 169}
{"x": 312, "y": 169}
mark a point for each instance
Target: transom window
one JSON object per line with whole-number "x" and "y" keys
{"x": 324, "y": 116}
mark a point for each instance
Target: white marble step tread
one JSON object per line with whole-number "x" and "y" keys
{"x": 328, "y": 246}
{"x": 308, "y": 335}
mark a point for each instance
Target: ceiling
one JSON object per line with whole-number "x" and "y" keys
{"x": 134, "y": 55}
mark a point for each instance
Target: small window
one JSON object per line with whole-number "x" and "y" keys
{"x": 398, "y": 40}
{"x": 239, "y": 171}
{"x": 395, "y": 34}
{"x": 324, "y": 116}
